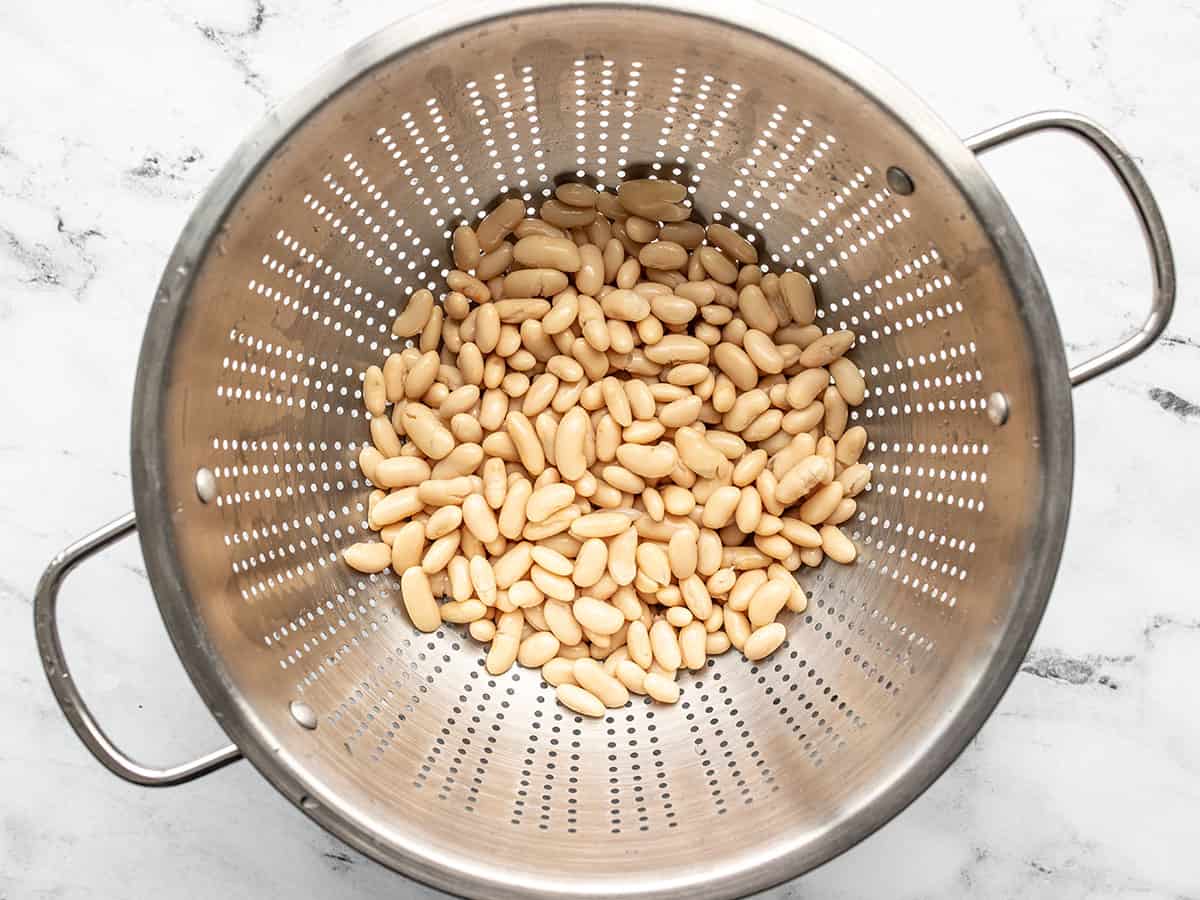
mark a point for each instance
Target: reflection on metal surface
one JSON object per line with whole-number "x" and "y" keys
{"x": 899, "y": 181}
{"x": 206, "y": 485}
{"x": 303, "y": 714}
{"x": 997, "y": 408}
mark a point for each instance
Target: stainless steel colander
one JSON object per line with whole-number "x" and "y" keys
{"x": 248, "y": 417}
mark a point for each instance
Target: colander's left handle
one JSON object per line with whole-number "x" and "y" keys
{"x": 45, "y": 615}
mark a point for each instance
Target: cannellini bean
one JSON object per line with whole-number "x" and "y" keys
{"x": 597, "y": 616}
{"x": 692, "y": 641}
{"x": 763, "y": 429}
{"x": 443, "y": 521}
{"x": 797, "y": 295}
{"x": 459, "y": 574}
{"x": 548, "y": 252}
{"x": 482, "y": 630}
{"x": 398, "y": 505}
{"x": 576, "y": 194}
{"x": 400, "y": 472}
{"x": 805, "y": 387}
{"x": 383, "y": 435}
{"x": 716, "y": 643}
{"x": 737, "y": 627}
{"x": 678, "y": 348}
{"x": 836, "y": 545}
{"x": 822, "y": 503}
{"x": 564, "y": 215}
{"x": 625, "y": 305}
{"x": 631, "y": 675}
{"x": 756, "y": 311}
{"x": 374, "y": 391}
{"x": 499, "y": 223}
{"x": 733, "y": 361}
{"x": 679, "y": 616}
{"x": 408, "y": 546}
{"x": 559, "y": 670}
{"x": 440, "y": 552}
{"x": 419, "y": 603}
{"x": 744, "y": 588}
{"x": 513, "y": 565}
{"x": 844, "y": 511}
{"x": 768, "y": 601}
{"x": 546, "y": 501}
{"x": 590, "y": 675}
{"x": 718, "y": 266}
{"x": 557, "y": 586}
{"x": 552, "y": 561}
{"x": 369, "y": 459}
{"x": 517, "y": 310}
{"x": 800, "y": 533}
{"x": 855, "y": 478}
{"x": 637, "y": 639}
{"x": 591, "y": 562}
{"x": 764, "y": 641}
{"x": 763, "y": 352}
{"x": 600, "y": 525}
{"x": 801, "y": 479}
{"x": 414, "y": 316}
{"x": 836, "y": 413}
{"x": 733, "y": 244}
{"x": 537, "y": 650}
{"x": 649, "y": 462}
{"x": 461, "y": 612}
{"x": 622, "y": 563}
{"x": 850, "y": 445}
{"x": 368, "y": 556}
{"x": 660, "y": 688}
{"x": 578, "y": 700}
{"x": 562, "y": 622}
{"x": 652, "y": 559}
{"x": 466, "y": 247}
{"x": 825, "y": 349}
{"x": 665, "y": 645}
{"x": 697, "y": 453}
{"x": 576, "y": 652}
{"x": 850, "y": 383}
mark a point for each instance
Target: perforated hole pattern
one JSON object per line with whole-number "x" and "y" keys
{"x": 418, "y": 741}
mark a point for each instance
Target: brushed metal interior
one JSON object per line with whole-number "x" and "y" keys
{"x": 281, "y": 291}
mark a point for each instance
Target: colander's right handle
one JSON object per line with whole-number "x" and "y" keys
{"x": 1162, "y": 300}
{"x": 45, "y": 616}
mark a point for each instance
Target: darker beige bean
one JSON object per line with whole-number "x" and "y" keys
{"x": 663, "y": 255}
{"x": 732, "y": 244}
{"x": 548, "y": 252}
{"x": 499, "y": 223}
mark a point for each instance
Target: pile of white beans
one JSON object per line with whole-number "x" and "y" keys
{"x": 615, "y": 441}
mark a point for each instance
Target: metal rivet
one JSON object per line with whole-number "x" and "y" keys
{"x": 303, "y": 713}
{"x": 206, "y": 485}
{"x": 997, "y": 408}
{"x": 899, "y": 181}
{"x": 308, "y": 802}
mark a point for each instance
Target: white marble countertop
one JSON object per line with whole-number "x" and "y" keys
{"x": 1086, "y": 781}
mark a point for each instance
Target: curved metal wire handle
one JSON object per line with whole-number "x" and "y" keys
{"x": 45, "y": 614}
{"x": 1162, "y": 300}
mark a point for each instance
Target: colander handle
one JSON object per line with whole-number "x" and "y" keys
{"x": 1162, "y": 300}
{"x": 45, "y": 615}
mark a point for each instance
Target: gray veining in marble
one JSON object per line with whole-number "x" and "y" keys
{"x": 1085, "y": 783}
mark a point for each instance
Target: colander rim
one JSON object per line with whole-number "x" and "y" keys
{"x": 204, "y": 664}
